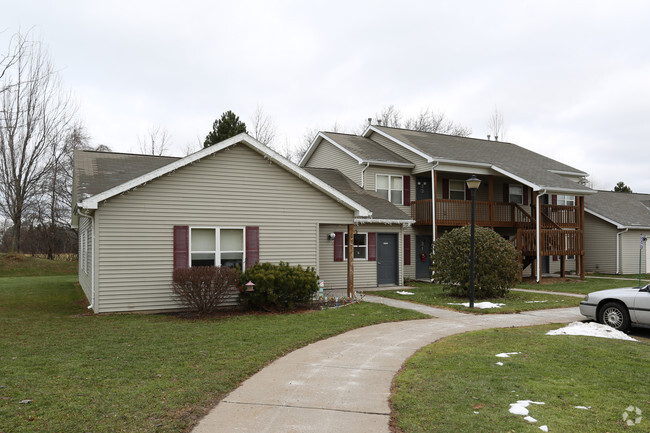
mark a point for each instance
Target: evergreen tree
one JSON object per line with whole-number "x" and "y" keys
{"x": 621, "y": 187}
{"x": 225, "y": 127}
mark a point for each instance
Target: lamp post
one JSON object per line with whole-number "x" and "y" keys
{"x": 472, "y": 184}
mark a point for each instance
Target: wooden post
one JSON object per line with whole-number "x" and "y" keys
{"x": 582, "y": 237}
{"x": 350, "y": 242}
{"x": 491, "y": 200}
{"x": 563, "y": 266}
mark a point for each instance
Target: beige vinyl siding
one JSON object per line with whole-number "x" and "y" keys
{"x": 235, "y": 187}
{"x": 85, "y": 276}
{"x": 409, "y": 270}
{"x": 600, "y": 245}
{"x": 630, "y": 248}
{"x": 421, "y": 164}
{"x": 365, "y": 271}
{"x": 370, "y": 180}
{"x": 327, "y": 155}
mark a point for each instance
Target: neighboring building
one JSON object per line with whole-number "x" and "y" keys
{"x": 519, "y": 188}
{"x": 239, "y": 202}
{"x": 615, "y": 224}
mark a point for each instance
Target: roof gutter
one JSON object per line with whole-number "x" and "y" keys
{"x": 92, "y": 272}
{"x": 363, "y": 174}
{"x": 406, "y": 223}
{"x": 618, "y": 250}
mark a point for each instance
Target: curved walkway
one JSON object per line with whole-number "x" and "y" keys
{"x": 342, "y": 384}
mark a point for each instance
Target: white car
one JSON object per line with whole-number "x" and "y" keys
{"x": 619, "y": 308}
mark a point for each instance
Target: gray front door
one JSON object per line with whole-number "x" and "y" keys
{"x": 387, "y": 266}
{"x": 423, "y": 257}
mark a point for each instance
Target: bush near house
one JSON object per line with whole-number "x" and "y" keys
{"x": 278, "y": 286}
{"x": 203, "y": 289}
{"x": 496, "y": 264}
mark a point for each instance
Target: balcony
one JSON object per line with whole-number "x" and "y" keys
{"x": 457, "y": 213}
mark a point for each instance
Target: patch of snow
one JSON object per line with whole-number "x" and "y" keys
{"x": 481, "y": 305}
{"x": 506, "y": 355}
{"x": 582, "y": 407}
{"x": 402, "y": 292}
{"x": 519, "y": 408}
{"x": 530, "y": 419}
{"x": 533, "y": 302}
{"x": 544, "y": 428}
{"x": 500, "y": 363}
{"x": 476, "y": 412}
{"x": 591, "y": 329}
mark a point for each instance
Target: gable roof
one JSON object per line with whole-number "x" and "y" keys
{"x": 362, "y": 149}
{"x": 92, "y": 201}
{"x": 530, "y": 168}
{"x": 383, "y": 211}
{"x": 624, "y": 210}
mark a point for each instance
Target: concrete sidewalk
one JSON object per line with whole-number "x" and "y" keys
{"x": 342, "y": 384}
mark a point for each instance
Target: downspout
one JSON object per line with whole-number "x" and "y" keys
{"x": 538, "y": 260}
{"x": 92, "y": 273}
{"x": 363, "y": 174}
{"x": 433, "y": 200}
{"x": 618, "y": 250}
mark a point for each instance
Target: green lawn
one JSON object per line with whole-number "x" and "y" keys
{"x": 134, "y": 372}
{"x": 645, "y": 277}
{"x": 515, "y": 302}
{"x": 18, "y": 265}
{"x": 443, "y": 386}
{"x": 571, "y": 285}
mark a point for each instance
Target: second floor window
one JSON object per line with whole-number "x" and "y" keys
{"x": 516, "y": 194}
{"x": 566, "y": 200}
{"x": 457, "y": 189}
{"x": 391, "y": 188}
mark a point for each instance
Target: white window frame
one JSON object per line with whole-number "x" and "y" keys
{"x": 390, "y": 189}
{"x": 217, "y": 252}
{"x": 566, "y": 200}
{"x": 511, "y": 195}
{"x": 464, "y": 191}
{"x": 354, "y": 246}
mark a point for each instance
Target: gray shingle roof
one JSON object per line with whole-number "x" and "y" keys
{"x": 629, "y": 210}
{"x": 366, "y": 149}
{"x": 517, "y": 160}
{"x": 97, "y": 172}
{"x": 380, "y": 207}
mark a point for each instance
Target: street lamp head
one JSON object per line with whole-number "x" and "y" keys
{"x": 473, "y": 182}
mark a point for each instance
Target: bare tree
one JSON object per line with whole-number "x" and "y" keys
{"x": 34, "y": 116}
{"x": 155, "y": 141}
{"x": 496, "y": 125}
{"x": 426, "y": 121}
{"x": 262, "y": 127}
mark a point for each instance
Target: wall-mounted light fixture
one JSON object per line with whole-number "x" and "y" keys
{"x": 331, "y": 236}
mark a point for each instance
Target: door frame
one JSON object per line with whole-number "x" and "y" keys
{"x": 395, "y": 237}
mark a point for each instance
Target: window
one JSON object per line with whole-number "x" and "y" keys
{"x": 360, "y": 243}
{"x": 516, "y": 194}
{"x": 217, "y": 247}
{"x": 566, "y": 200}
{"x": 457, "y": 189}
{"x": 390, "y": 187}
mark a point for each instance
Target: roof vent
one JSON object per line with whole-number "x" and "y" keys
{"x": 489, "y": 137}
{"x": 369, "y": 121}
{"x": 379, "y": 122}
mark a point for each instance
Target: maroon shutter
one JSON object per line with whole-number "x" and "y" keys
{"x": 407, "y": 249}
{"x": 181, "y": 247}
{"x": 338, "y": 246}
{"x": 252, "y": 246}
{"x": 554, "y": 199}
{"x": 372, "y": 246}
{"x": 407, "y": 190}
{"x": 555, "y": 258}
{"x": 525, "y": 190}
{"x": 445, "y": 189}
{"x": 506, "y": 193}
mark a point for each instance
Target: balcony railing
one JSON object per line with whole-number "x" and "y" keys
{"x": 492, "y": 214}
{"x": 553, "y": 242}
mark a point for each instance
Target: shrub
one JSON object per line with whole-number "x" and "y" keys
{"x": 203, "y": 288}
{"x": 496, "y": 264}
{"x": 278, "y": 286}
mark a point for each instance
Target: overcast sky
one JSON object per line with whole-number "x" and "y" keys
{"x": 571, "y": 78}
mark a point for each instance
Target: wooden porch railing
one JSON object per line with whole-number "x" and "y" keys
{"x": 553, "y": 242}
{"x": 492, "y": 214}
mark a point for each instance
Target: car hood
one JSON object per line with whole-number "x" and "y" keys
{"x": 615, "y": 293}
